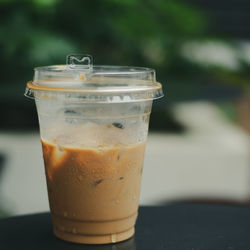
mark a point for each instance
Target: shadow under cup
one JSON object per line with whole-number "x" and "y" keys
{"x": 93, "y": 154}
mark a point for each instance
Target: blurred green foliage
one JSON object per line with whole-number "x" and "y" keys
{"x": 128, "y": 32}
{"x": 149, "y": 33}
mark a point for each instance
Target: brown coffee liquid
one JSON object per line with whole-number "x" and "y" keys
{"x": 93, "y": 192}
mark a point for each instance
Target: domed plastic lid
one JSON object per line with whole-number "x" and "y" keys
{"x": 80, "y": 81}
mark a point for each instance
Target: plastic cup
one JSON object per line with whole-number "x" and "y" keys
{"x": 93, "y": 125}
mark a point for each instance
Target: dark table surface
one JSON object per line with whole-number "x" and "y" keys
{"x": 172, "y": 227}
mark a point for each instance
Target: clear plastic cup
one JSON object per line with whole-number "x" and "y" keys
{"x": 93, "y": 125}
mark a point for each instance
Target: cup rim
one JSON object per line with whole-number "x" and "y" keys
{"x": 99, "y": 83}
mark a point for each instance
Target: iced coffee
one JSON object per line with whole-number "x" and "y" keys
{"x": 93, "y": 125}
{"x": 93, "y": 184}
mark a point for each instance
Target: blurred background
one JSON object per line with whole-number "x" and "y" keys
{"x": 198, "y": 146}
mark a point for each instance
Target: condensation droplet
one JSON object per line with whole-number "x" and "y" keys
{"x": 113, "y": 238}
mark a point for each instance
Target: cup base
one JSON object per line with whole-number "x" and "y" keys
{"x": 95, "y": 239}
